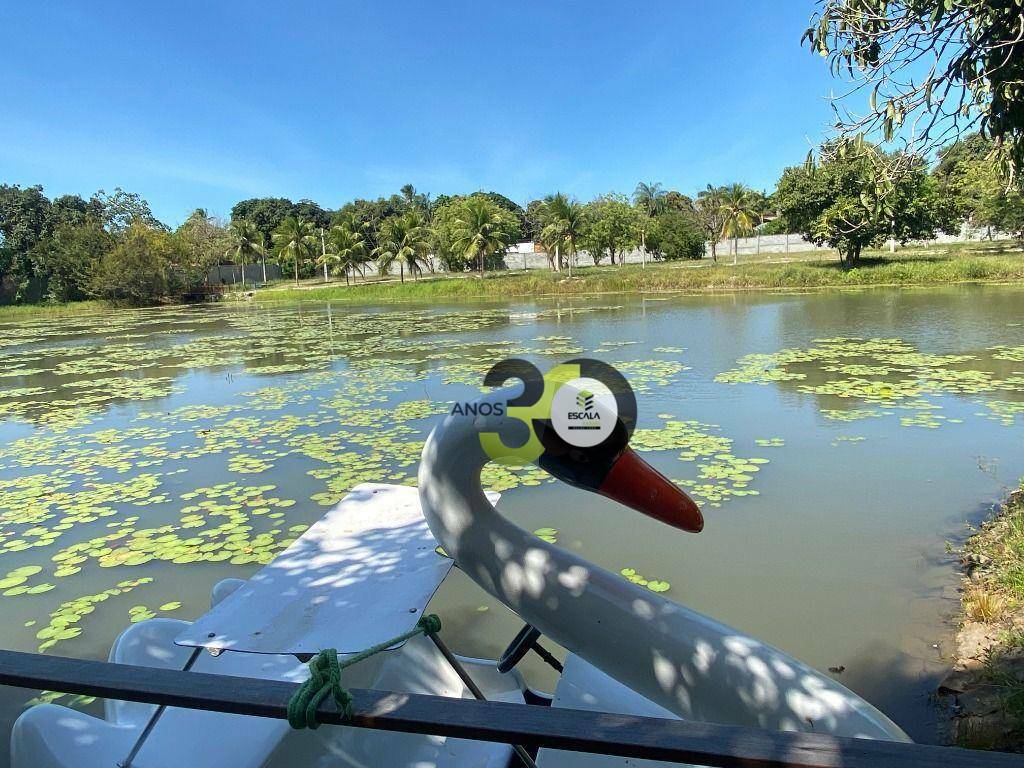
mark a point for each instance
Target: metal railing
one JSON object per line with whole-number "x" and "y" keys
{"x": 533, "y": 726}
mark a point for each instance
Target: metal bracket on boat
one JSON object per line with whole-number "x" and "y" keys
{"x": 525, "y": 641}
{"x": 450, "y": 657}
{"x": 151, "y": 723}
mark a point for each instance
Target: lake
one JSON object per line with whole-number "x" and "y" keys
{"x": 836, "y": 442}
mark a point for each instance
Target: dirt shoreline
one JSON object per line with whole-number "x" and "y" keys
{"x": 983, "y": 695}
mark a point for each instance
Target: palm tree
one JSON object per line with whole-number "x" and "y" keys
{"x": 246, "y": 240}
{"x": 480, "y": 230}
{"x": 401, "y": 239}
{"x": 294, "y": 239}
{"x": 738, "y": 208}
{"x": 651, "y": 200}
{"x": 563, "y": 224}
{"x": 349, "y": 246}
{"x": 550, "y": 238}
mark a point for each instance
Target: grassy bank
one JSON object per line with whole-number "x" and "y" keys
{"x": 23, "y": 311}
{"x": 913, "y": 266}
{"x": 934, "y": 265}
{"x": 988, "y": 681}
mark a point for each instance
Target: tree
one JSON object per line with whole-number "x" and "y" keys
{"x": 940, "y": 67}
{"x": 1010, "y": 217}
{"x": 442, "y": 235}
{"x": 203, "y": 242}
{"x": 738, "y": 208}
{"x": 265, "y": 213}
{"x": 675, "y": 235}
{"x": 415, "y": 201}
{"x": 841, "y": 201}
{"x": 348, "y": 244}
{"x": 69, "y": 258}
{"x": 482, "y": 229}
{"x": 34, "y": 262}
{"x": 649, "y": 198}
{"x": 294, "y": 241}
{"x": 73, "y": 211}
{"x": 401, "y": 240}
{"x": 611, "y": 226}
{"x": 311, "y": 212}
{"x": 370, "y": 215}
{"x": 677, "y": 201}
{"x": 969, "y": 177}
{"x": 123, "y": 209}
{"x": 24, "y": 222}
{"x": 707, "y": 211}
{"x": 563, "y": 226}
{"x": 533, "y": 225}
{"x": 245, "y": 240}
{"x": 510, "y": 206}
{"x": 140, "y": 269}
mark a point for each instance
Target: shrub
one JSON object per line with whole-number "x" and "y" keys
{"x": 70, "y": 257}
{"x": 982, "y": 605}
{"x": 675, "y": 235}
{"x": 140, "y": 269}
{"x": 974, "y": 270}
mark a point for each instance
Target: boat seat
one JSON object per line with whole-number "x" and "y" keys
{"x": 584, "y": 686}
{"x": 52, "y": 736}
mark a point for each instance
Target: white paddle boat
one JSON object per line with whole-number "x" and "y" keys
{"x": 365, "y": 572}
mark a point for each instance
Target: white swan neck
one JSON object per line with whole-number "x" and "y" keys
{"x": 686, "y": 662}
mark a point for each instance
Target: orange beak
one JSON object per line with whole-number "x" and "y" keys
{"x": 636, "y": 484}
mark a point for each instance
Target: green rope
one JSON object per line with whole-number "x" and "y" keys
{"x": 325, "y": 676}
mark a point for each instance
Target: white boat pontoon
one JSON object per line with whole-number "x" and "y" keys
{"x": 365, "y": 573}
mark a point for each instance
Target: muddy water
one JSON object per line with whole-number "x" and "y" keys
{"x": 836, "y": 442}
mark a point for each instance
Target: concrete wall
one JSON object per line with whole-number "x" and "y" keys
{"x": 794, "y": 243}
{"x": 791, "y": 243}
{"x": 539, "y": 260}
{"x": 231, "y": 274}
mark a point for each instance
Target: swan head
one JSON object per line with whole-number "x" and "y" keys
{"x": 614, "y": 470}
{"x": 575, "y": 422}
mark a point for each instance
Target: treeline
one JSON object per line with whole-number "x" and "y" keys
{"x": 411, "y": 233}
{"x": 109, "y": 247}
{"x": 851, "y": 195}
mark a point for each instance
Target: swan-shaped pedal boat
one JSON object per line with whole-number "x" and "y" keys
{"x": 365, "y": 573}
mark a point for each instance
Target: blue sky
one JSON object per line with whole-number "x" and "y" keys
{"x": 204, "y": 104}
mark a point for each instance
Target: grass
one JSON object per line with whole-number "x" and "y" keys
{"x": 996, "y": 556}
{"x": 972, "y": 734}
{"x": 23, "y": 311}
{"x": 995, "y": 596}
{"x": 983, "y": 605}
{"x": 935, "y": 265}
